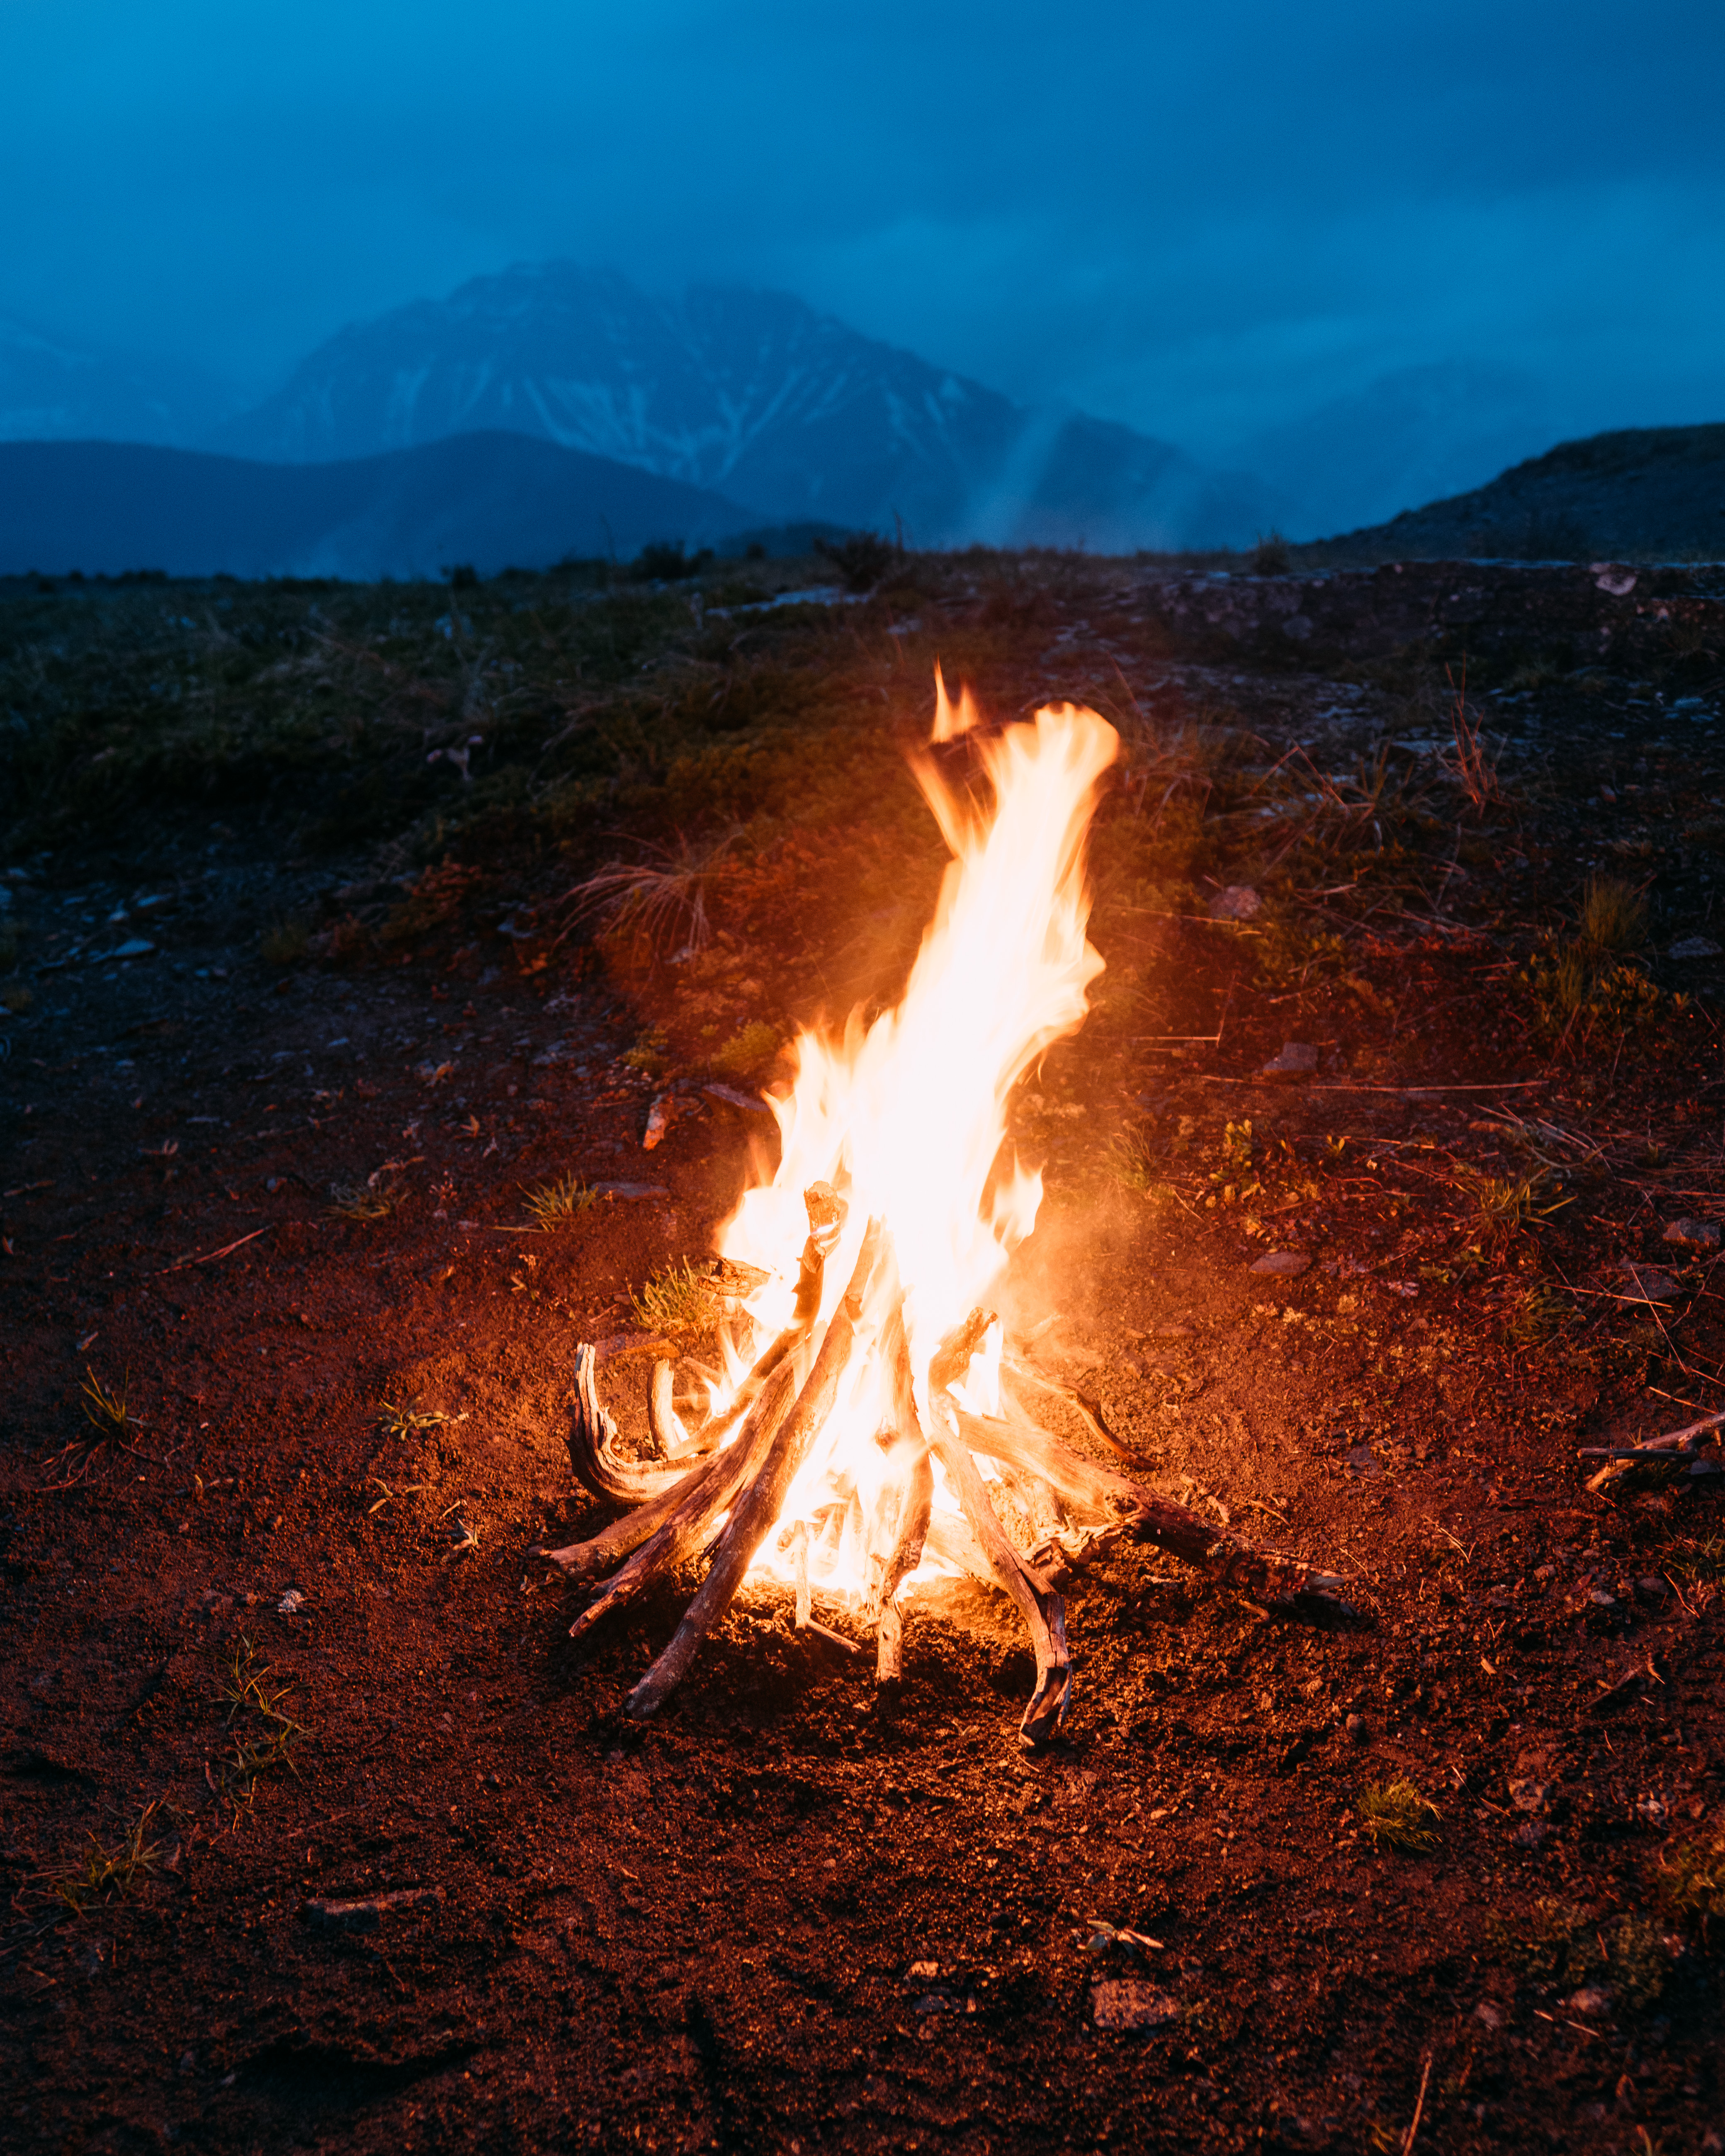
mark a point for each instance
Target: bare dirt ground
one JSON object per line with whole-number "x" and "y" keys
{"x": 1439, "y": 1876}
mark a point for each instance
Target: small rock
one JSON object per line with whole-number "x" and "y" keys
{"x": 1694, "y": 947}
{"x": 1619, "y": 582}
{"x": 289, "y": 1601}
{"x": 1592, "y": 1999}
{"x": 1648, "y": 1284}
{"x": 1492, "y": 2016}
{"x": 1238, "y": 902}
{"x": 1298, "y": 1059}
{"x": 658, "y": 1117}
{"x": 1363, "y": 1460}
{"x": 1357, "y": 1732}
{"x": 135, "y": 946}
{"x": 1123, "y": 2004}
{"x": 1650, "y": 1589}
{"x": 1693, "y": 1235}
{"x": 188, "y": 2061}
{"x": 631, "y": 1193}
{"x": 1530, "y": 1834}
{"x": 1283, "y": 1263}
{"x": 923, "y": 1971}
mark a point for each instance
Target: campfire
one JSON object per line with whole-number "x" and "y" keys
{"x": 874, "y": 1426}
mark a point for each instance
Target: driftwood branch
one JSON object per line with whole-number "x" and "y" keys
{"x": 593, "y": 1445}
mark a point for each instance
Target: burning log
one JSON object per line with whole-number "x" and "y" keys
{"x": 757, "y": 1505}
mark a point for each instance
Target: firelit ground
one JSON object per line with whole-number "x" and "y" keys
{"x": 274, "y": 1645}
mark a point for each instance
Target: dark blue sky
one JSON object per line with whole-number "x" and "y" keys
{"x": 1204, "y": 220}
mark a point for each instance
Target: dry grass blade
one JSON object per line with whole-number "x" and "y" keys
{"x": 1468, "y": 761}
{"x": 663, "y": 898}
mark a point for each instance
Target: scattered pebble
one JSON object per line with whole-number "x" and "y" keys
{"x": 1123, "y": 2004}
{"x": 1648, "y": 1284}
{"x": 1298, "y": 1059}
{"x": 289, "y": 1601}
{"x": 1693, "y": 1235}
{"x": 1694, "y": 947}
{"x": 658, "y": 1117}
{"x": 1592, "y": 1999}
{"x": 1238, "y": 902}
{"x": 1284, "y": 1263}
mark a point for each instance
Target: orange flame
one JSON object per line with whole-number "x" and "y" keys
{"x": 907, "y": 1114}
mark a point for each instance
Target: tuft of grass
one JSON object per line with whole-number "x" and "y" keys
{"x": 404, "y": 1421}
{"x": 746, "y": 1051}
{"x": 1396, "y": 1816}
{"x": 676, "y": 1299}
{"x": 358, "y": 1201}
{"x": 104, "y": 1411}
{"x": 262, "y": 1733}
{"x": 1130, "y": 1162}
{"x": 1541, "y": 1313}
{"x": 1506, "y": 1206}
{"x": 663, "y": 898}
{"x": 106, "y": 1875}
{"x": 285, "y": 943}
{"x": 553, "y": 1202}
{"x": 1614, "y": 917}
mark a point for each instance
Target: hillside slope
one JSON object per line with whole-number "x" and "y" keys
{"x": 492, "y": 499}
{"x": 1643, "y": 493}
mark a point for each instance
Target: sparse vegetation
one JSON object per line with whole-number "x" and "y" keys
{"x": 676, "y": 1299}
{"x": 105, "y": 1408}
{"x": 1394, "y": 1816}
{"x": 1692, "y": 1884}
{"x": 1504, "y": 1206}
{"x": 663, "y": 898}
{"x": 747, "y": 1048}
{"x": 1614, "y": 918}
{"x": 261, "y": 1733}
{"x": 110, "y": 1874}
{"x": 406, "y": 1420}
{"x": 361, "y": 1201}
{"x": 565, "y": 1199}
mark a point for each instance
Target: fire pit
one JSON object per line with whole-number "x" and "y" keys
{"x": 873, "y": 1426}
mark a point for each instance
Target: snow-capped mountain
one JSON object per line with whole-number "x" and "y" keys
{"x": 750, "y": 394}
{"x": 52, "y": 389}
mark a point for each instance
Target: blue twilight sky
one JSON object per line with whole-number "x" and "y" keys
{"x": 1206, "y": 220}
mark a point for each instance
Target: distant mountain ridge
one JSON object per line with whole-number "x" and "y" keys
{"x": 1640, "y": 491}
{"x": 493, "y": 500}
{"x": 52, "y": 389}
{"x": 750, "y": 394}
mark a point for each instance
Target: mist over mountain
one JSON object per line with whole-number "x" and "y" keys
{"x": 752, "y": 394}
{"x": 1415, "y": 435}
{"x": 53, "y": 389}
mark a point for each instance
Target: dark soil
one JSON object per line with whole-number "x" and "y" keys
{"x": 274, "y": 1642}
